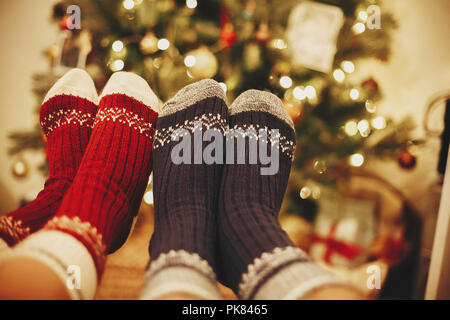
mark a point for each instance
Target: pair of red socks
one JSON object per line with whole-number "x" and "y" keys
{"x": 99, "y": 155}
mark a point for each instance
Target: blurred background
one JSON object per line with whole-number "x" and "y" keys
{"x": 366, "y": 83}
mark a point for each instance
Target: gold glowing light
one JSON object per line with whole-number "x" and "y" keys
{"x": 359, "y": 28}
{"x": 310, "y": 92}
{"x": 286, "y": 82}
{"x": 348, "y": 66}
{"x": 299, "y": 93}
{"x": 117, "y": 46}
{"x": 190, "y": 61}
{"x": 148, "y": 197}
{"x": 339, "y": 75}
{"x": 351, "y": 128}
{"x": 224, "y": 86}
{"x": 379, "y": 123}
{"x": 356, "y": 160}
{"x": 163, "y": 44}
{"x": 354, "y": 94}
{"x": 117, "y": 65}
{"x": 128, "y": 4}
{"x": 191, "y": 4}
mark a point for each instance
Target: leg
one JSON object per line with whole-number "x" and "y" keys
{"x": 185, "y": 193}
{"x": 259, "y": 261}
{"x": 97, "y": 211}
{"x": 67, "y": 116}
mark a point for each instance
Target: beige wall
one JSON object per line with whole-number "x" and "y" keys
{"x": 25, "y": 31}
{"x": 420, "y": 66}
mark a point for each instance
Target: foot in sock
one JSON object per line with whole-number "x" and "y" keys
{"x": 67, "y": 116}
{"x": 255, "y": 257}
{"x": 97, "y": 211}
{"x": 185, "y": 195}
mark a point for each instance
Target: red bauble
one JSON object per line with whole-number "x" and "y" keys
{"x": 370, "y": 84}
{"x": 227, "y": 36}
{"x": 64, "y": 22}
{"x": 294, "y": 110}
{"x": 406, "y": 160}
{"x": 263, "y": 34}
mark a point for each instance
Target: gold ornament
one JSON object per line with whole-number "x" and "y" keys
{"x": 205, "y": 66}
{"x": 149, "y": 43}
{"x": 20, "y": 168}
{"x": 252, "y": 57}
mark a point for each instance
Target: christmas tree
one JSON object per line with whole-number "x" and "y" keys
{"x": 303, "y": 51}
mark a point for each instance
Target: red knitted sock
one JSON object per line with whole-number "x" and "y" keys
{"x": 67, "y": 116}
{"x": 101, "y": 203}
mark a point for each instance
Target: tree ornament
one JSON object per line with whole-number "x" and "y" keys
{"x": 370, "y": 84}
{"x": 312, "y": 33}
{"x": 20, "y": 168}
{"x": 149, "y": 43}
{"x": 294, "y": 109}
{"x": 406, "y": 160}
{"x": 252, "y": 57}
{"x": 64, "y": 22}
{"x": 205, "y": 65}
{"x": 227, "y": 36}
{"x": 263, "y": 33}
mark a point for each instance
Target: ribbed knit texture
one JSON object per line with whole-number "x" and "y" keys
{"x": 99, "y": 207}
{"x": 185, "y": 195}
{"x": 252, "y": 246}
{"x": 67, "y": 122}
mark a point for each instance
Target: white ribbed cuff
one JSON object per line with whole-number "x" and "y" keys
{"x": 63, "y": 254}
{"x": 296, "y": 281}
{"x": 179, "y": 271}
{"x": 179, "y": 279}
{"x": 284, "y": 274}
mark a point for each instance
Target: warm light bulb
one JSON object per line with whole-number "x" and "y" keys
{"x": 354, "y": 94}
{"x": 279, "y": 44}
{"x": 339, "y": 75}
{"x": 190, "y": 61}
{"x": 348, "y": 66}
{"x": 299, "y": 93}
{"x": 163, "y": 44}
{"x": 117, "y": 46}
{"x": 128, "y": 4}
{"x": 359, "y": 28}
{"x": 223, "y": 85}
{"x": 379, "y": 123}
{"x": 148, "y": 197}
{"x": 117, "y": 65}
{"x": 370, "y": 106}
{"x": 191, "y": 4}
{"x": 305, "y": 192}
{"x": 285, "y": 82}
{"x": 363, "y": 15}
{"x": 310, "y": 92}
{"x": 356, "y": 160}
{"x": 351, "y": 128}
{"x": 363, "y": 125}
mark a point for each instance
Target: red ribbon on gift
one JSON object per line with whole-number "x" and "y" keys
{"x": 333, "y": 245}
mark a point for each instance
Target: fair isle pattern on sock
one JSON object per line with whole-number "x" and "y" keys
{"x": 99, "y": 207}
{"x": 254, "y": 252}
{"x": 185, "y": 195}
{"x": 66, "y": 117}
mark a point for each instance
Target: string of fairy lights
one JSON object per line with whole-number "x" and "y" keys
{"x": 300, "y": 93}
